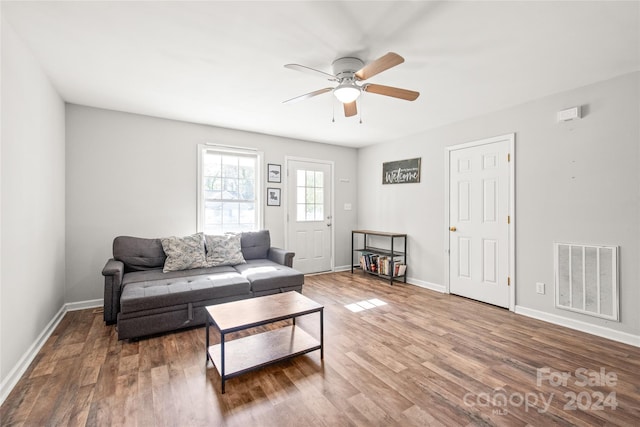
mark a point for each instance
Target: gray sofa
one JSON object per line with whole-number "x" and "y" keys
{"x": 143, "y": 300}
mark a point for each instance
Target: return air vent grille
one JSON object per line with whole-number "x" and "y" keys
{"x": 587, "y": 279}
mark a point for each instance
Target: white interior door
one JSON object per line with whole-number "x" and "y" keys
{"x": 309, "y": 215}
{"x": 479, "y": 221}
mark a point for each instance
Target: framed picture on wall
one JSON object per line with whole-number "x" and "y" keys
{"x": 273, "y": 197}
{"x": 401, "y": 171}
{"x": 274, "y": 173}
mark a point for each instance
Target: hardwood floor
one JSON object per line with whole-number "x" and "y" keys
{"x": 424, "y": 358}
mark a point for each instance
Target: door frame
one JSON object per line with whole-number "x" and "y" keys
{"x": 511, "y": 138}
{"x": 285, "y": 201}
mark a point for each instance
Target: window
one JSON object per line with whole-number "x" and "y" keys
{"x": 310, "y": 195}
{"x": 228, "y": 190}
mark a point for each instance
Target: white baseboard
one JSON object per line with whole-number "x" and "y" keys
{"x": 81, "y": 305}
{"x": 23, "y": 364}
{"x": 578, "y": 325}
{"x": 410, "y": 280}
{"x": 19, "y": 369}
{"x": 427, "y": 285}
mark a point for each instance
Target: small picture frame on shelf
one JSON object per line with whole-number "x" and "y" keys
{"x": 273, "y": 197}
{"x": 274, "y": 173}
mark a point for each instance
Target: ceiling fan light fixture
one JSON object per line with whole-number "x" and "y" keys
{"x": 347, "y": 92}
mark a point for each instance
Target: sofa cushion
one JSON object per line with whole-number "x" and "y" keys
{"x": 158, "y": 274}
{"x": 184, "y": 253}
{"x": 266, "y": 275}
{"x": 223, "y": 250}
{"x": 150, "y": 294}
{"x": 138, "y": 254}
{"x": 255, "y": 244}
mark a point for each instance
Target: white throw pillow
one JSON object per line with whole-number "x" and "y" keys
{"x": 184, "y": 253}
{"x": 223, "y": 250}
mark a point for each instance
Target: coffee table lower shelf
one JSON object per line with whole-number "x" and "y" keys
{"x": 256, "y": 351}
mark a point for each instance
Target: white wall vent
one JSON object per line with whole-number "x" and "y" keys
{"x": 587, "y": 279}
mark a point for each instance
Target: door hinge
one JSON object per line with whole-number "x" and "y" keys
{"x": 508, "y": 219}
{"x": 508, "y": 281}
{"x": 508, "y": 157}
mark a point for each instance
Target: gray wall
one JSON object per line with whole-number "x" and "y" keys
{"x": 32, "y": 229}
{"x": 576, "y": 182}
{"x": 136, "y": 175}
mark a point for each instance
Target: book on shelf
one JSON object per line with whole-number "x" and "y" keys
{"x": 370, "y": 262}
{"x": 400, "y": 269}
{"x": 382, "y": 264}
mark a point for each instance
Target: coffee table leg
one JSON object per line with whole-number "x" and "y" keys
{"x": 322, "y": 334}
{"x": 206, "y": 347}
{"x": 222, "y": 361}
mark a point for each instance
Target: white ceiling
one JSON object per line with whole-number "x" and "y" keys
{"x": 221, "y": 63}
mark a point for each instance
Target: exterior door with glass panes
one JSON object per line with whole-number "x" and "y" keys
{"x": 309, "y": 217}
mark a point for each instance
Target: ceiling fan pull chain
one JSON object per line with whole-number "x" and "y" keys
{"x": 361, "y": 99}
{"x": 333, "y": 111}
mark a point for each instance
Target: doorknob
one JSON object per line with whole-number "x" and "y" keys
{"x": 329, "y": 225}
{"x": 452, "y": 229}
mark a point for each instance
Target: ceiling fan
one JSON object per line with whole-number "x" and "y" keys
{"x": 349, "y": 73}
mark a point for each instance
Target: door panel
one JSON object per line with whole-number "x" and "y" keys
{"x": 309, "y": 215}
{"x": 479, "y": 188}
{"x": 464, "y": 258}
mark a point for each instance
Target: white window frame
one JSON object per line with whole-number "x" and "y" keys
{"x": 200, "y": 205}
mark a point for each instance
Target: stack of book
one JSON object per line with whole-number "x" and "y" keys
{"x": 382, "y": 265}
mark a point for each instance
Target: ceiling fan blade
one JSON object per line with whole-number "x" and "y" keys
{"x": 310, "y": 70}
{"x": 308, "y": 95}
{"x": 395, "y": 92}
{"x": 350, "y": 109}
{"x": 381, "y": 64}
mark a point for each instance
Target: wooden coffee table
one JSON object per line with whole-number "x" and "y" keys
{"x": 235, "y": 357}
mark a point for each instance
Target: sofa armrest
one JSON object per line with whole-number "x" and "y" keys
{"x": 281, "y": 256}
{"x": 112, "y": 272}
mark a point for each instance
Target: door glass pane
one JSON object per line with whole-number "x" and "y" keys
{"x": 310, "y": 179}
{"x": 309, "y": 212}
{"x": 310, "y": 195}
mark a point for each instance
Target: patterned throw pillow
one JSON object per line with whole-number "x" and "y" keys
{"x": 224, "y": 250}
{"x": 184, "y": 253}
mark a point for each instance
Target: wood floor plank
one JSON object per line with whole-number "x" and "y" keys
{"x": 423, "y": 358}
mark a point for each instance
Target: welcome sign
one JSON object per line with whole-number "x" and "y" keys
{"x": 401, "y": 171}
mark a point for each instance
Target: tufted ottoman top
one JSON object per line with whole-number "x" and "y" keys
{"x": 166, "y": 292}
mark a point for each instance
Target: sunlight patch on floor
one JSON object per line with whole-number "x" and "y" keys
{"x": 365, "y": 305}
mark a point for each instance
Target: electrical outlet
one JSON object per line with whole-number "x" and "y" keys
{"x": 540, "y": 288}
